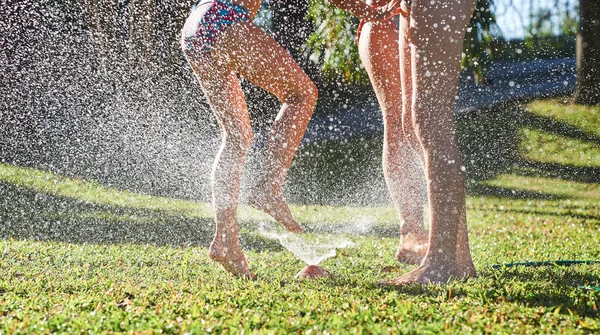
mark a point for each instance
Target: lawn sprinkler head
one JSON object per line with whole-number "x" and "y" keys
{"x": 312, "y": 272}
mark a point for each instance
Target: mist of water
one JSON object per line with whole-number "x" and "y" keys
{"x": 88, "y": 100}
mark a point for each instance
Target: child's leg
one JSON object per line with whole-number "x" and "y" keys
{"x": 436, "y": 36}
{"x": 266, "y": 64}
{"x": 378, "y": 49}
{"x": 405, "y": 58}
{"x": 225, "y": 96}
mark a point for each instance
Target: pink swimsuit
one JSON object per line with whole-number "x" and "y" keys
{"x": 360, "y": 27}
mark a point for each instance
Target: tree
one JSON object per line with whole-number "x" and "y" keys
{"x": 332, "y": 45}
{"x": 587, "y": 90}
{"x": 480, "y": 34}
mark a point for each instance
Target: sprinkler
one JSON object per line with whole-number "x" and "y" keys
{"x": 310, "y": 248}
{"x": 312, "y": 272}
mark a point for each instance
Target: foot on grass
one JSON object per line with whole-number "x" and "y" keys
{"x": 413, "y": 247}
{"x": 466, "y": 270}
{"x": 424, "y": 274}
{"x": 465, "y": 267}
{"x": 274, "y": 204}
{"x": 229, "y": 254}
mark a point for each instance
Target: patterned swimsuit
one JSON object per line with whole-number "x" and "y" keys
{"x": 199, "y": 38}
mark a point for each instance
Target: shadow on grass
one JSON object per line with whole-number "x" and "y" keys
{"x": 480, "y": 189}
{"x": 551, "y": 213}
{"x": 547, "y": 286}
{"x": 27, "y": 214}
{"x": 349, "y": 171}
{"x": 561, "y": 289}
{"x": 550, "y": 125}
{"x": 489, "y": 141}
{"x": 583, "y": 174}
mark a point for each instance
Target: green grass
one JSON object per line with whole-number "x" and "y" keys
{"x": 552, "y": 148}
{"x": 76, "y": 256}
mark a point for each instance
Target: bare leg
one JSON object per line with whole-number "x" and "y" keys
{"x": 378, "y": 49}
{"x": 247, "y": 50}
{"x": 223, "y": 91}
{"x": 409, "y": 133}
{"x": 274, "y": 70}
{"x": 436, "y": 36}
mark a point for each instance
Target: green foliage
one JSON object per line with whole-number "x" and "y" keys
{"x": 333, "y": 45}
{"x": 542, "y": 42}
{"x": 482, "y": 31}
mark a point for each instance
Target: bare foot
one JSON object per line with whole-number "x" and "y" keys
{"x": 465, "y": 270}
{"x": 274, "y": 205}
{"x": 424, "y": 274}
{"x": 413, "y": 247}
{"x": 229, "y": 254}
{"x": 464, "y": 264}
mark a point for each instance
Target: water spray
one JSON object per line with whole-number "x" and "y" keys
{"x": 310, "y": 248}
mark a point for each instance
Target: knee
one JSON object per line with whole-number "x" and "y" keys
{"x": 408, "y": 128}
{"x": 427, "y": 137}
{"x": 434, "y": 136}
{"x": 305, "y": 93}
{"x": 440, "y": 150}
{"x": 410, "y": 134}
{"x": 311, "y": 93}
{"x": 238, "y": 140}
{"x": 392, "y": 125}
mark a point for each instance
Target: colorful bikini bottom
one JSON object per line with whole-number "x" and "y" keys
{"x": 199, "y": 38}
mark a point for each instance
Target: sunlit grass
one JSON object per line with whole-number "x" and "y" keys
{"x": 77, "y": 256}
{"x": 548, "y": 186}
{"x": 586, "y": 118}
{"x": 93, "y": 192}
{"x": 551, "y": 148}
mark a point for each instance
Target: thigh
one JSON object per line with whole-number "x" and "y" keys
{"x": 253, "y": 54}
{"x": 225, "y": 96}
{"x": 437, "y": 31}
{"x": 378, "y": 50}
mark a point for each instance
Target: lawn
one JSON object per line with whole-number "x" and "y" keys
{"x": 77, "y": 256}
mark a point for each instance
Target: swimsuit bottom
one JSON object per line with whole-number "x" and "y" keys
{"x": 407, "y": 3}
{"x": 362, "y": 23}
{"x": 198, "y": 39}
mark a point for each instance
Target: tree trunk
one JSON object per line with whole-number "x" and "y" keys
{"x": 588, "y": 54}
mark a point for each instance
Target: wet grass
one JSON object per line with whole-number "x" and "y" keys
{"x": 78, "y": 256}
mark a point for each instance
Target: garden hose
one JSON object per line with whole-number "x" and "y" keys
{"x": 544, "y": 263}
